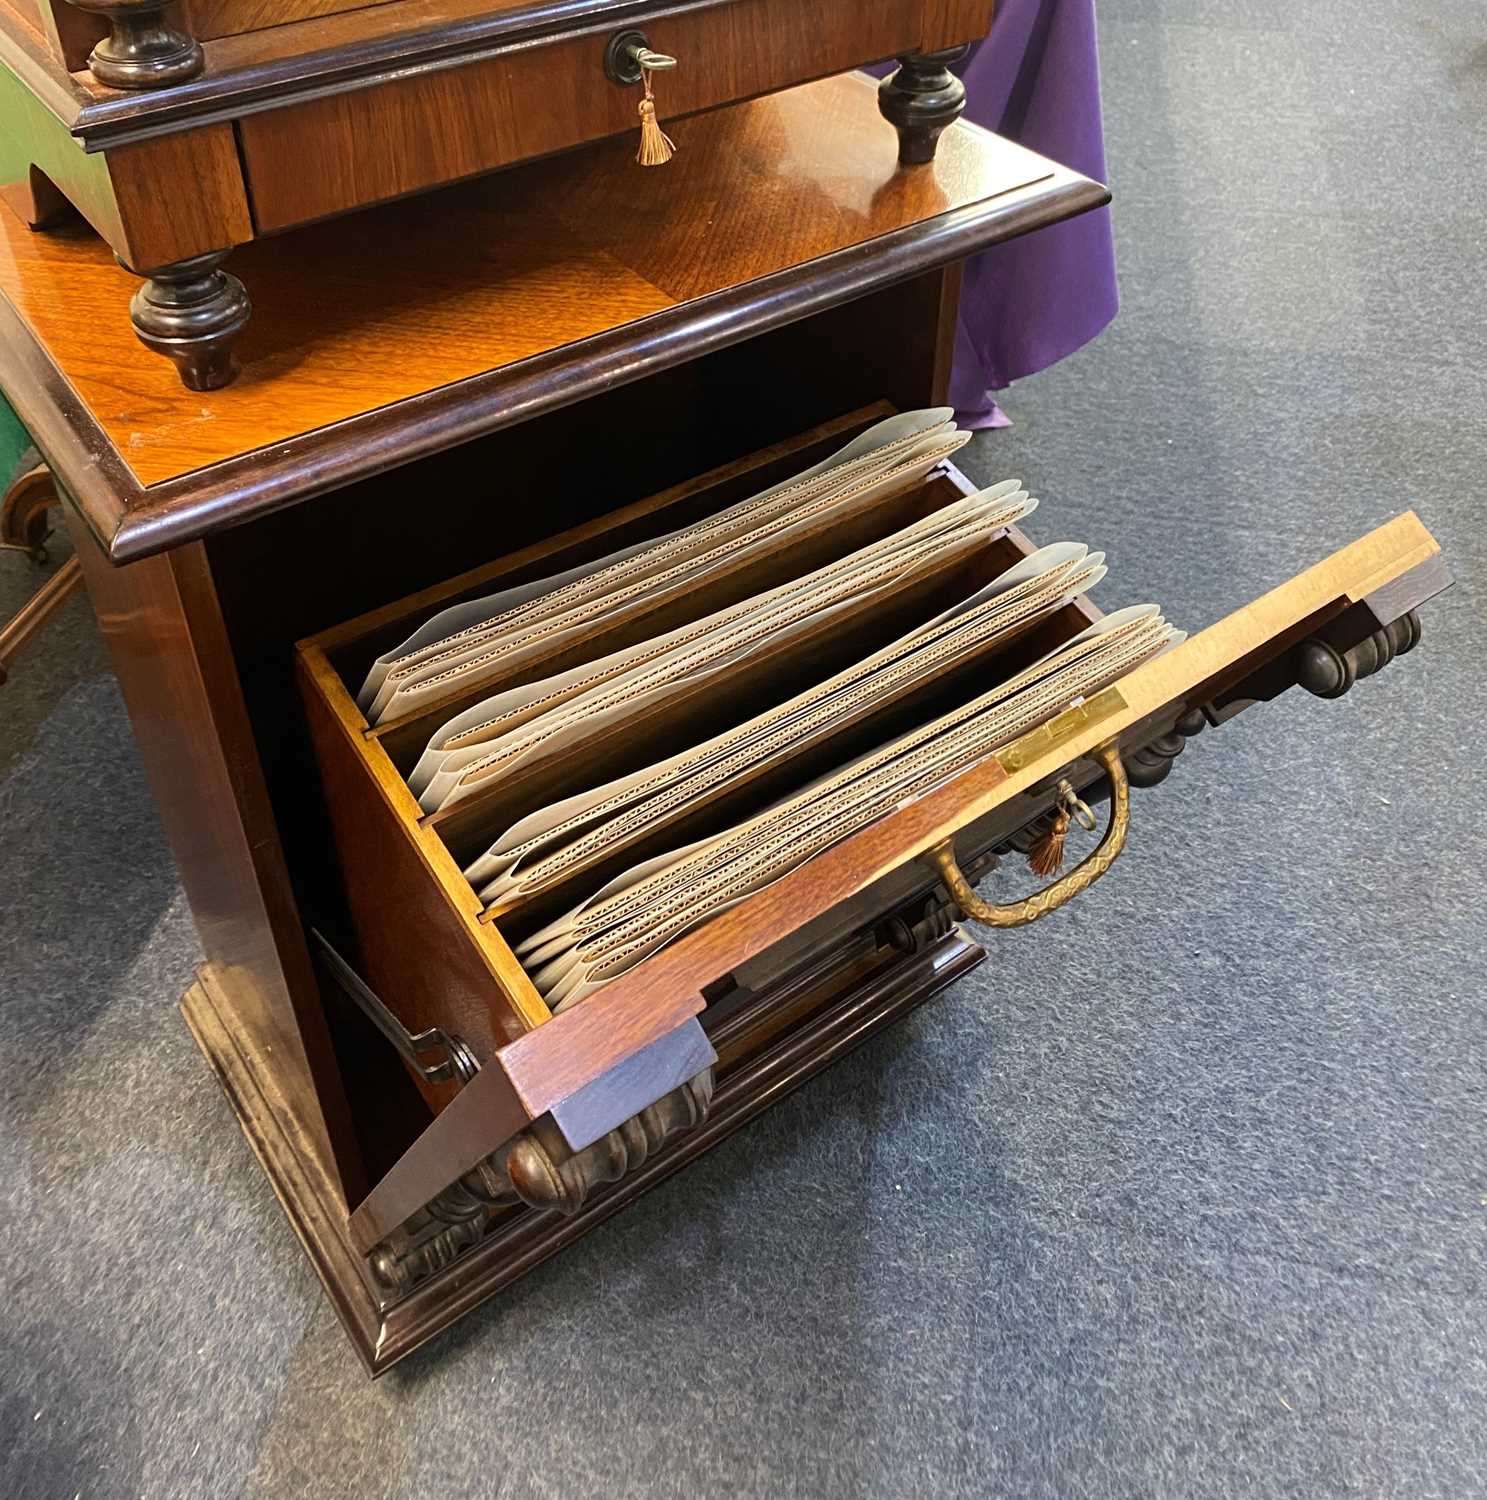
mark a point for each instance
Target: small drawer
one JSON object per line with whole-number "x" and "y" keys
{"x": 440, "y": 959}
{"x": 440, "y": 126}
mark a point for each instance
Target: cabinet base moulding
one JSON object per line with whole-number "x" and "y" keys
{"x": 385, "y": 1328}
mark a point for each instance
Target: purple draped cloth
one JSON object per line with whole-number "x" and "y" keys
{"x": 1026, "y": 304}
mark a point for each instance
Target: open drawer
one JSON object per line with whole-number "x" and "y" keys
{"x": 547, "y": 1109}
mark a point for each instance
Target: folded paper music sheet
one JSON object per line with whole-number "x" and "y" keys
{"x": 474, "y": 642}
{"x": 557, "y": 716}
{"x": 638, "y": 912}
{"x": 578, "y": 832}
{"x": 704, "y": 712}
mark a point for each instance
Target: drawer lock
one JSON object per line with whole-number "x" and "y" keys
{"x": 630, "y": 59}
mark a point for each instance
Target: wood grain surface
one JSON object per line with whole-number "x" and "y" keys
{"x": 28, "y": 11}
{"x": 420, "y": 943}
{"x": 205, "y": 19}
{"x": 179, "y": 195}
{"x": 354, "y": 316}
{"x": 332, "y": 47}
{"x": 433, "y": 128}
{"x": 949, "y": 23}
{"x": 154, "y": 202}
{"x": 164, "y": 632}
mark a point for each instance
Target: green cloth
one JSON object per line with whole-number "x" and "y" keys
{"x": 14, "y": 440}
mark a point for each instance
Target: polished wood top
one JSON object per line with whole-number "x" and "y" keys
{"x": 405, "y": 329}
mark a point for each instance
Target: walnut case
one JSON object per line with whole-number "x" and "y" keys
{"x": 247, "y": 564}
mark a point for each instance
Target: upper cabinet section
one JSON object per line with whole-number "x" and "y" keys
{"x": 380, "y": 336}
{"x": 119, "y": 70}
{"x": 437, "y": 126}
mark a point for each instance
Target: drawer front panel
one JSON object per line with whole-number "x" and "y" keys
{"x": 1250, "y": 655}
{"x": 331, "y": 155}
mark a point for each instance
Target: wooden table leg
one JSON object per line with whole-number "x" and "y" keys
{"x": 18, "y": 632}
{"x": 192, "y": 312}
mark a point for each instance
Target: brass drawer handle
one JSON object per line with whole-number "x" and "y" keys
{"x": 1063, "y": 890}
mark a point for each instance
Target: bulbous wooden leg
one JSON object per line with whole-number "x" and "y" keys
{"x": 191, "y": 312}
{"x": 1329, "y": 673}
{"x": 920, "y": 100}
{"x": 142, "y": 50}
{"x": 546, "y": 1174}
{"x": 541, "y": 1170}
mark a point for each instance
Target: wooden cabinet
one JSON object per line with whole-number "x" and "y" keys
{"x": 180, "y": 135}
{"x": 595, "y": 356}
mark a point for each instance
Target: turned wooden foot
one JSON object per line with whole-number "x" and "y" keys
{"x": 191, "y": 312}
{"x": 540, "y": 1169}
{"x": 920, "y": 100}
{"x": 142, "y": 50}
{"x": 1329, "y": 673}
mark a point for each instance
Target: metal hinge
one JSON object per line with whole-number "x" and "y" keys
{"x": 455, "y": 1062}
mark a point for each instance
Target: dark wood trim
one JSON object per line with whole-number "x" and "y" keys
{"x": 145, "y": 521}
{"x": 86, "y": 464}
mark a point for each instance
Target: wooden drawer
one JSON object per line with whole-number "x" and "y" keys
{"x": 440, "y": 960}
{"x": 439, "y": 126}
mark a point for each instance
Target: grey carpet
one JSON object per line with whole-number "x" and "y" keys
{"x": 1183, "y": 1194}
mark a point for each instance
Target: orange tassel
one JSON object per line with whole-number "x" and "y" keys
{"x": 1045, "y": 855}
{"x": 656, "y": 147}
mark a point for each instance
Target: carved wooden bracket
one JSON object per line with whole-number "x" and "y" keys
{"x": 536, "y": 1168}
